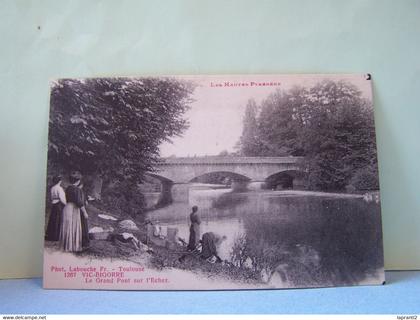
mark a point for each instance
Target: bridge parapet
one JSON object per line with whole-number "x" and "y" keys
{"x": 229, "y": 160}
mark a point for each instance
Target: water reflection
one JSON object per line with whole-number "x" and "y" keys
{"x": 290, "y": 240}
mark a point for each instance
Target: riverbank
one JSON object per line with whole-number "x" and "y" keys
{"x": 175, "y": 260}
{"x": 307, "y": 238}
{"x": 320, "y": 193}
{"x": 277, "y": 237}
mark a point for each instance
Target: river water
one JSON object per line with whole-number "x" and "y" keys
{"x": 292, "y": 238}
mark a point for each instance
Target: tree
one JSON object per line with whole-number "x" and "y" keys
{"x": 112, "y": 127}
{"x": 249, "y": 144}
{"x": 330, "y": 124}
{"x": 338, "y": 135}
{"x": 223, "y": 153}
{"x": 277, "y": 125}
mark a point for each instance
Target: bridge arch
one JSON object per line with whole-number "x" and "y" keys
{"x": 159, "y": 177}
{"x": 165, "y": 196}
{"x": 286, "y": 179}
{"x": 220, "y": 177}
{"x": 237, "y": 182}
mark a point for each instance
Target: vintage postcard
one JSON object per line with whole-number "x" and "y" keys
{"x": 212, "y": 182}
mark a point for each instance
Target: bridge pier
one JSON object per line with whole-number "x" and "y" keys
{"x": 256, "y": 185}
{"x": 239, "y": 185}
{"x": 165, "y": 196}
{"x": 173, "y": 192}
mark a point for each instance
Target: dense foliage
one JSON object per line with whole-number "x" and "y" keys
{"x": 111, "y": 128}
{"x": 249, "y": 141}
{"x": 331, "y": 124}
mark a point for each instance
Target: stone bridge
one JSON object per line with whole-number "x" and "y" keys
{"x": 176, "y": 174}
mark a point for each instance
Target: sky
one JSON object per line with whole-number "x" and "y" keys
{"x": 217, "y": 112}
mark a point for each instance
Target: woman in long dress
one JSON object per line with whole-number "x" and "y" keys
{"x": 194, "y": 229}
{"x": 58, "y": 201}
{"x": 71, "y": 227}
